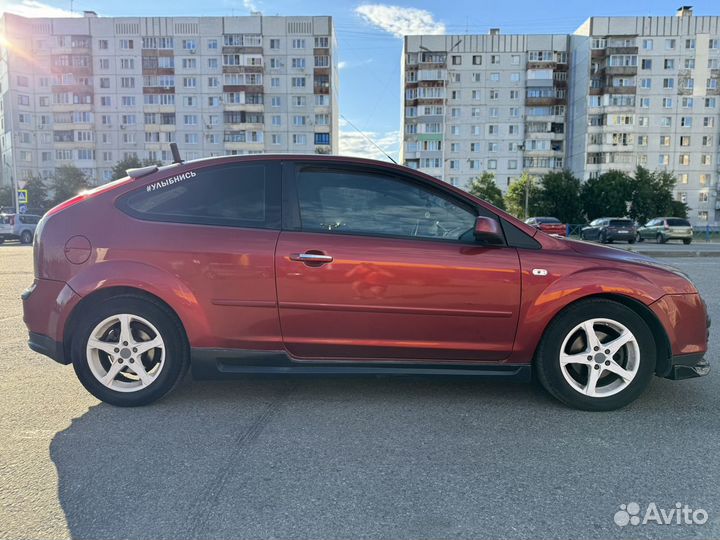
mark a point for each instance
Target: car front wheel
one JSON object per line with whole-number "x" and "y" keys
{"x": 597, "y": 355}
{"x": 639, "y": 238}
{"x": 129, "y": 350}
{"x": 687, "y": 241}
{"x": 660, "y": 239}
{"x": 26, "y": 237}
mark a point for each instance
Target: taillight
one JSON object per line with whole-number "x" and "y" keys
{"x": 666, "y": 226}
{"x": 85, "y": 195}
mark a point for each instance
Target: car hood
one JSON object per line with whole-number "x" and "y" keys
{"x": 612, "y": 254}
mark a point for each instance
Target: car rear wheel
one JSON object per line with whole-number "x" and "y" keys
{"x": 631, "y": 240}
{"x": 660, "y": 239}
{"x": 687, "y": 241}
{"x": 603, "y": 237}
{"x": 26, "y": 237}
{"x": 639, "y": 238}
{"x": 597, "y": 355}
{"x": 129, "y": 350}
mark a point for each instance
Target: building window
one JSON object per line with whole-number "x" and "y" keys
{"x": 477, "y": 60}
{"x": 669, "y": 44}
{"x": 456, "y": 60}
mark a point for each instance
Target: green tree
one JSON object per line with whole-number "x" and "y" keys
{"x": 130, "y": 162}
{"x": 515, "y": 197}
{"x": 37, "y": 194}
{"x": 679, "y": 209}
{"x": 560, "y": 197}
{"x": 6, "y": 197}
{"x": 651, "y": 194}
{"x": 607, "y": 195}
{"x": 69, "y": 181}
{"x": 484, "y": 187}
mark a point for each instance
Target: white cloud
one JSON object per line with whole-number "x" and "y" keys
{"x": 33, "y": 8}
{"x": 352, "y": 143}
{"x": 400, "y": 21}
{"x": 342, "y": 64}
{"x": 251, "y": 6}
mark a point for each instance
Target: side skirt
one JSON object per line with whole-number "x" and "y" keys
{"x": 229, "y": 363}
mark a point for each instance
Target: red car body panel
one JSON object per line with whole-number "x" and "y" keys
{"x": 380, "y": 299}
{"x": 553, "y": 228}
{"x": 397, "y": 299}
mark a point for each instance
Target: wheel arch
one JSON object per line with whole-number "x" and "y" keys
{"x": 660, "y": 336}
{"x": 106, "y": 293}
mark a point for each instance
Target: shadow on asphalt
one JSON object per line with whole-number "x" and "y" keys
{"x": 368, "y": 457}
{"x": 248, "y": 458}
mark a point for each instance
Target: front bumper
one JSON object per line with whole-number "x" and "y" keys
{"x": 688, "y": 366}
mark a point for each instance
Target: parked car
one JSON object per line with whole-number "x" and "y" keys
{"x": 18, "y": 227}
{"x": 607, "y": 230}
{"x": 334, "y": 265}
{"x": 668, "y": 228}
{"x": 549, "y": 225}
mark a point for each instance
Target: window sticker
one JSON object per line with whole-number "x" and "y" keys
{"x": 170, "y": 181}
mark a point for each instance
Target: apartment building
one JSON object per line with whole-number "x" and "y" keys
{"x": 646, "y": 91}
{"x": 477, "y": 103}
{"x": 91, "y": 91}
{"x": 619, "y": 92}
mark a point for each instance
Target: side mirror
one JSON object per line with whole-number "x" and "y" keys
{"x": 488, "y": 230}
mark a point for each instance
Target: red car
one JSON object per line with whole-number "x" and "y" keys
{"x": 331, "y": 265}
{"x": 549, "y": 225}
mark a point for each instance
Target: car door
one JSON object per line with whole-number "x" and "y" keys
{"x": 374, "y": 265}
{"x": 591, "y": 232}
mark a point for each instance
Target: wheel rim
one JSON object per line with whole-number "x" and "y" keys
{"x": 125, "y": 353}
{"x": 599, "y": 357}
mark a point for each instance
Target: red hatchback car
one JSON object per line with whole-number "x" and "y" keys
{"x": 316, "y": 264}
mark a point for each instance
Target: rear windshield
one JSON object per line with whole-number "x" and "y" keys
{"x": 621, "y": 223}
{"x": 6, "y": 220}
{"x": 677, "y": 222}
{"x": 548, "y": 220}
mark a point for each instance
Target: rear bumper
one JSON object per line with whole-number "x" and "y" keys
{"x": 46, "y": 307}
{"x": 47, "y": 346}
{"x": 688, "y": 367}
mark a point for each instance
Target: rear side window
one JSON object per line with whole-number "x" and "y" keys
{"x": 241, "y": 195}
{"x": 677, "y": 222}
{"x": 29, "y": 220}
{"x": 353, "y": 202}
{"x": 621, "y": 223}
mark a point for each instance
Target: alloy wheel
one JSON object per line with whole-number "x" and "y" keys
{"x": 599, "y": 357}
{"x": 125, "y": 353}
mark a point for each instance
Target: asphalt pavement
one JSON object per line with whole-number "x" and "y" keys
{"x": 345, "y": 458}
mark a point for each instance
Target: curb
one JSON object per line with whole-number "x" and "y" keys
{"x": 694, "y": 253}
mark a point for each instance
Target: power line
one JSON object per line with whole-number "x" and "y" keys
{"x": 368, "y": 139}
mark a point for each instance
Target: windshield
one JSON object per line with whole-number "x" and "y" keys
{"x": 621, "y": 223}
{"x": 677, "y": 222}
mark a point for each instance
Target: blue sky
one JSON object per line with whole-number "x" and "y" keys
{"x": 369, "y": 42}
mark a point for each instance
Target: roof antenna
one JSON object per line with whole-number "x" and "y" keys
{"x": 369, "y": 139}
{"x": 175, "y": 153}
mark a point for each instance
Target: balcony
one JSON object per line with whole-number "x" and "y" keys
{"x": 621, "y": 70}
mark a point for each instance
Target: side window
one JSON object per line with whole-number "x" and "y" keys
{"x": 240, "y": 195}
{"x": 353, "y": 202}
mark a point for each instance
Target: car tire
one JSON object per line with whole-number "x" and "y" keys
{"x": 639, "y": 238}
{"x": 603, "y": 237}
{"x": 26, "y": 237}
{"x": 631, "y": 240}
{"x": 2, "y": 240}
{"x": 577, "y": 374}
{"x": 687, "y": 241}
{"x": 660, "y": 239}
{"x": 111, "y": 368}
{"x": 582, "y": 236}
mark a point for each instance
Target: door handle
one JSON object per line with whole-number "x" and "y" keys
{"x": 314, "y": 258}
